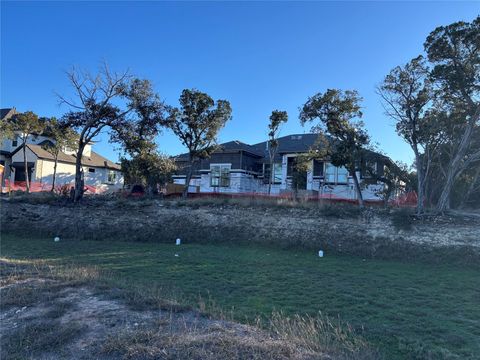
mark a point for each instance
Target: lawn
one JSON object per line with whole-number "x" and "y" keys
{"x": 406, "y": 310}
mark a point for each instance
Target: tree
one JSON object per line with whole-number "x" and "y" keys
{"x": 277, "y": 118}
{"x": 395, "y": 177}
{"x": 104, "y": 102}
{"x": 151, "y": 169}
{"x": 339, "y": 113}
{"x": 453, "y": 51}
{"x": 197, "y": 123}
{"x": 24, "y": 125}
{"x": 407, "y": 93}
{"x": 144, "y": 164}
{"x": 62, "y": 138}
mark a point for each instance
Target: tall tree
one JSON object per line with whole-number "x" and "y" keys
{"x": 103, "y": 102}
{"x": 454, "y": 53}
{"x": 62, "y": 138}
{"x": 277, "y": 118}
{"x": 339, "y": 114}
{"x": 150, "y": 169}
{"x": 197, "y": 123}
{"x": 24, "y": 125}
{"x": 407, "y": 93}
{"x": 143, "y": 164}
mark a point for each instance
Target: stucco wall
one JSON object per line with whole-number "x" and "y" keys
{"x": 43, "y": 173}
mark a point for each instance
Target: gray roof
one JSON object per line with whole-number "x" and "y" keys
{"x": 6, "y": 111}
{"x": 294, "y": 143}
{"x": 289, "y": 144}
{"x": 236, "y": 145}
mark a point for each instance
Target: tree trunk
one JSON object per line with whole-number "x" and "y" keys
{"x": 187, "y": 180}
{"x": 54, "y": 173}
{"x": 455, "y": 166}
{"x": 471, "y": 189}
{"x": 357, "y": 189}
{"x": 270, "y": 176}
{"x": 27, "y": 182}
{"x": 420, "y": 185}
{"x": 78, "y": 175}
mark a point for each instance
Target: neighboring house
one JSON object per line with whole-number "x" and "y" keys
{"x": 237, "y": 167}
{"x": 100, "y": 174}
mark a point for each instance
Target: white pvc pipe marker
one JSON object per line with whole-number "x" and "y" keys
{"x": 320, "y": 253}
{"x": 178, "y": 242}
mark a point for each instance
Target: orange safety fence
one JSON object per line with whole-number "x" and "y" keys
{"x": 39, "y": 187}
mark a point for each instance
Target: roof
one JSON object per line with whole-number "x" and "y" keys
{"x": 294, "y": 143}
{"x": 94, "y": 160}
{"x": 289, "y": 144}
{"x": 236, "y": 145}
{"x": 7, "y": 111}
{"x": 230, "y": 146}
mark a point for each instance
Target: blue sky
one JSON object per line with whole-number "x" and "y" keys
{"x": 258, "y": 55}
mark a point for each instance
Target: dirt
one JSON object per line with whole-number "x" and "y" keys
{"x": 106, "y": 328}
{"x": 371, "y": 234}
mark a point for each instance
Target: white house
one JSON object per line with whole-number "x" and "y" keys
{"x": 100, "y": 174}
{"x": 237, "y": 167}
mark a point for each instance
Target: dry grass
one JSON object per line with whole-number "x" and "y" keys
{"x": 43, "y": 294}
{"x": 322, "y": 334}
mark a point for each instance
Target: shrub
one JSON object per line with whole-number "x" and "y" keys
{"x": 402, "y": 219}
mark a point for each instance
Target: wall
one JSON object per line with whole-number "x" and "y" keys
{"x": 242, "y": 182}
{"x": 43, "y": 173}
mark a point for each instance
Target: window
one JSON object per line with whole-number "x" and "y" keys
{"x": 342, "y": 175}
{"x": 333, "y": 174}
{"x": 370, "y": 169}
{"x": 220, "y": 175}
{"x": 112, "y": 176}
{"x": 15, "y": 142}
{"x": 277, "y": 173}
{"x": 317, "y": 168}
{"x": 330, "y": 171}
{"x": 91, "y": 170}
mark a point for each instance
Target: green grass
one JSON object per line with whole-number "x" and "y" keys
{"x": 406, "y": 310}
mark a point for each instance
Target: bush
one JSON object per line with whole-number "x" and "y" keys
{"x": 403, "y": 219}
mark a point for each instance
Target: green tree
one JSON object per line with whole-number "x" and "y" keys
{"x": 407, "y": 94}
{"x": 143, "y": 164}
{"x": 339, "y": 113}
{"x": 151, "y": 169}
{"x": 277, "y": 118}
{"x": 197, "y": 123}
{"x": 453, "y": 52}
{"x": 24, "y": 125}
{"x": 62, "y": 138}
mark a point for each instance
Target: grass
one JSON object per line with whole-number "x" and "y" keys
{"x": 406, "y": 310}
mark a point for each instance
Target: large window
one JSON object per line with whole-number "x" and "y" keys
{"x": 337, "y": 175}
{"x": 220, "y": 175}
{"x": 277, "y": 173}
{"x": 330, "y": 172}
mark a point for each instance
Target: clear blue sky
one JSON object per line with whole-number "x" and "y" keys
{"x": 259, "y": 56}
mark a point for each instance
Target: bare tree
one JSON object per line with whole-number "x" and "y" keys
{"x": 102, "y": 102}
